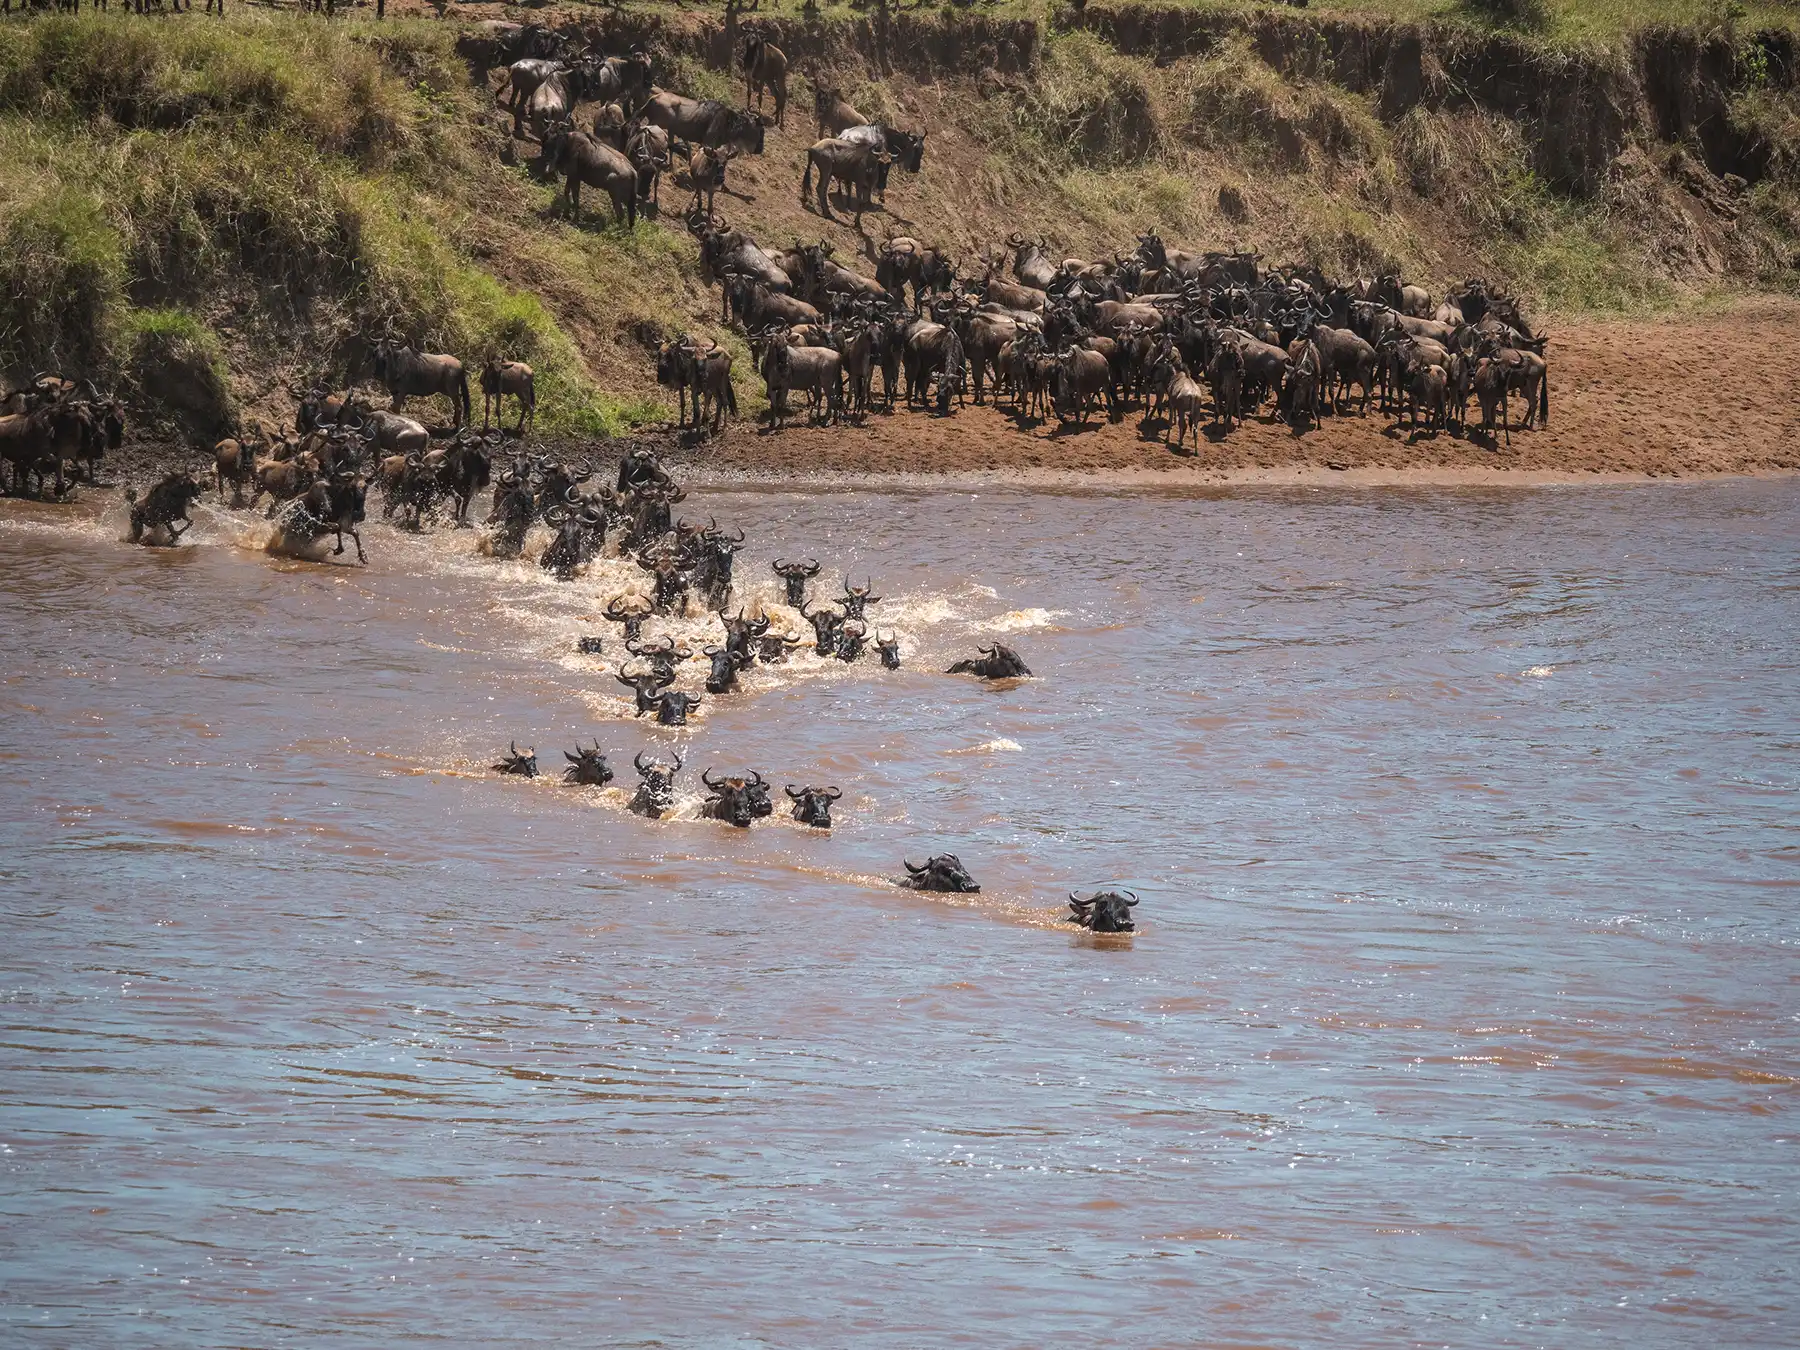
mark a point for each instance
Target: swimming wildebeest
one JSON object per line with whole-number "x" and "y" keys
{"x": 587, "y": 767}
{"x": 630, "y": 611}
{"x": 942, "y": 872}
{"x": 1104, "y": 912}
{"x": 164, "y": 507}
{"x": 889, "y": 648}
{"x": 826, "y": 623}
{"x": 524, "y": 765}
{"x": 673, "y": 707}
{"x": 812, "y": 805}
{"x": 998, "y": 662}
{"x": 730, "y": 800}
{"x": 795, "y": 575}
{"x": 655, "y": 795}
{"x": 722, "y": 678}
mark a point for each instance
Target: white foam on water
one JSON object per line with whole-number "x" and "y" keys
{"x": 999, "y": 745}
{"x": 1020, "y": 620}
{"x": 1538, "y": 672}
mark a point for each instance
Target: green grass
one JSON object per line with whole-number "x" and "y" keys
{"x": 299, "y": 183}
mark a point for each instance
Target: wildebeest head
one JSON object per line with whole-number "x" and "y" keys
{"x": 729, "y": 801}
{"x": 890, "y": 649}
{"x": 656, "y": 791}
{"x": 855, "y": 598}
{"x": 1104, "y": 912}
{"x": 943, "y": 872}
{"x": 722, "y": 678}
{"x": 812, "y": 805}
{"x": 673, "y": 707}
{"x": 524, "y": 765}
{"x": 741, "y": 632}
{"x": 630, "y": 610}
{"x": 773, "y": 648}
{"x": 587, "y": 767}
{"x": 852, "y": 637}
{"x": 647, "y": 684}
{"x": 640, "y": 468}
{"x": 662, "y": 653}
{"x": 908, "y": 150}
{"x": 589, "y": 645}
{"x": 826, "y": 623}
{"x": 796, "y": 575}
{"x": 756, "y": 792}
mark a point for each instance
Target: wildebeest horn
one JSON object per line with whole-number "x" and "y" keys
{"x": 833, "y": 793}
{"x": 910, "y": 867}
{"x": 638, "y": 761}
{"x": 706, "y": 777}
{"x": 1133, "y": 900}
{"x": 790, "y": 792}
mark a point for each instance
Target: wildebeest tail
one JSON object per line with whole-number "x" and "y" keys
{"x": 731, "y": 397}
{"x": 462, "y": 384}
{"x": 806, "y": 178}
{"x": 1544, "y": 399}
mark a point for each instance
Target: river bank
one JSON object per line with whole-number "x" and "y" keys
{"x": 1676, "y": 396}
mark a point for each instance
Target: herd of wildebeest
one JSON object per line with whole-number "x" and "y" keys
{"x": 317, "y": 479}
{"x": 1054, "y": 337}
{"x": 1191, "y": 337}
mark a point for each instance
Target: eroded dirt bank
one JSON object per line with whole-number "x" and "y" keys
{"x": 1674, "y": 396}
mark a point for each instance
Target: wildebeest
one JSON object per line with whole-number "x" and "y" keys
{"x": 857, "y": 166}
{"x": 630, "y": 611}
{"x": 508, "y": 379}
{"x": 705, "y": 122}
{"x": 906, "y": 261}
{"x": 826, "y": 623}
{"x": 524, "y": 765}
{"x": 856, "y": 599}
{"x": 1183, "y": 404}
{"x": 164, "y": 508}
{"x": 812, "y": 805}
{"x": 705, "y": 367}
{"x": 333, "y": 503}
{"x": 648, "y": 149}
{"x": 410, "y": 374}
{"x": 646, "y": 684}
{"x": 941, "y": 872}
{"x": 795, "y": 575}
{"x": 673, "y": 707}
{"x": 706, "y": 173}
{"x": 722, "y": 678}
{"x": 1082, "y": 379}
{"x": 998, "y": 662}
{"x": 892, "y": 146}
{"x": 852, "y": 635}
{"x": 283, "y": 479}
{"x": 889, "y": 647}
{"x": 655, "y": 795}
{"x": 832, "y": 111}
{"x": 1104, "y": 912}
{"x": 587, "y": 767}
{"x": 729, "y": 802}
{"x": 766, "y": 68}
{"x": 817, "y": 371}
{"x": 586, "y": 162}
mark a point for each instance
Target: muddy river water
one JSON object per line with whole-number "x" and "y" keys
{"x": 1463, "y": 1009}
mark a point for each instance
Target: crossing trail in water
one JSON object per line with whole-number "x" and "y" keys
{"x": 1462, "y": 1005}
